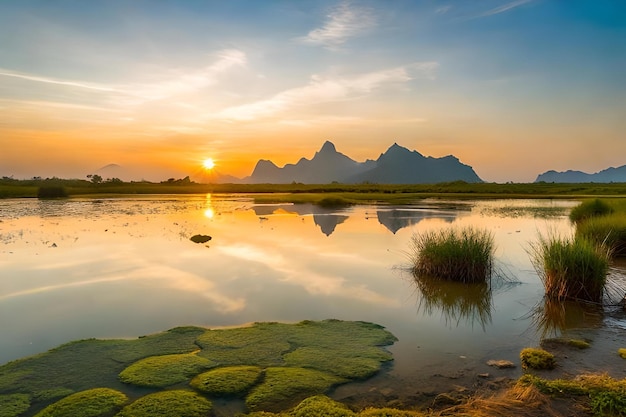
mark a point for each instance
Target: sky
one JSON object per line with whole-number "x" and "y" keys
{"x": 512, "y": 88}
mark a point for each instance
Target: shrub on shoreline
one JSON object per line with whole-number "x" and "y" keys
{"x": 464, "y": 255}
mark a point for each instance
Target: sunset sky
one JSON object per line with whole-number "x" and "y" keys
{"x": 512, "y": 88}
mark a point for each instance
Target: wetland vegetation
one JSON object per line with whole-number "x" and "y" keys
{"x": 275, "y": 368}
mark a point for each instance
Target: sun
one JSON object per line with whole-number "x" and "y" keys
{"x": 208, "y": 163}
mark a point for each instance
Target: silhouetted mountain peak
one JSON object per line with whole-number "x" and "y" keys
{"x": 328, "y": 147}
{"x": 398, "y": 165}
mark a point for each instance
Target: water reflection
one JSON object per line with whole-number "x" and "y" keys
{"x": 553, "y": 317}
{"x": 327, "y": 219}
{"x": 395, "y": 219}
{"x": 457, "y": 302}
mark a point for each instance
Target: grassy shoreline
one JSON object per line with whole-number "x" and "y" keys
{"x": 350, "y": 193}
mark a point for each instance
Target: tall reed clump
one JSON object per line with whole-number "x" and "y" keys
{"x": 589, "y": 209}
{"x": 571, "y": 269}
{"x": 609, "y": 230}
{"x": 464, "y": 255}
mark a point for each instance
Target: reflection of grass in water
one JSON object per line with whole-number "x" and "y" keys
{"x": 455, "y": 300}
{"x": 525, "y": 211}
{"x": 553, "y": 317}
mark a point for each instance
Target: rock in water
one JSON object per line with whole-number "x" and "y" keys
{"x": 200, "y": 238}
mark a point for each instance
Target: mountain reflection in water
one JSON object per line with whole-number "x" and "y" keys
{"x": 393, "y": 218}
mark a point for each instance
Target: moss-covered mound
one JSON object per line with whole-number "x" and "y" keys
{"x": 278, "y": 344}
{"x": 533, "y": 358}
{"x": 272, "y": 365}
{"x": 231, "y": 380}
{"x": 179, "y": 403}
{"x": 91, "y": 403}
{"x": 165, "y": 370}
{"x": 321, "y": 406}
{"x": 286, "y": 386}
{"x": 14, "y": 404}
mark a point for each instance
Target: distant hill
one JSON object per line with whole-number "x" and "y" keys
{"x": 397, "y": 165}
{"x": 113, "y": 171}
{"x": 607, "y": 175}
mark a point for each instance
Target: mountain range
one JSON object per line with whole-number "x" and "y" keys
{"x": 397, "y": 165}
{"x": 607, "y": 175}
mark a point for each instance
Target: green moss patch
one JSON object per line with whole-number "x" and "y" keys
{"x": 14, "y": 404}
{"x": 389, "y": 412}
{"x": 90, "y": 403}
{"x": 346, "y": 363}
{"x": 231, "y": 380}
{"x": 178, "y": 403}
{"x": 268, "y": 363}
{"x": 349, "y": 349}
{"x": 533, "y": 358}
{"x": 577, "y": 343}
{"x": 622, "y": 352}
{"x": 284, "y": 387}
{"x": 165, "y": 370}
{"x": 321, "y": 406}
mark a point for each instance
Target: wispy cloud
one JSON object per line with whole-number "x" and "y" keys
{"x": 56, "y": 81}
{"x": 190, "y": 81}
{"x": 170, "y": 84}
{"x": 503, "y": 8}
{"x": 343, "y": 22}
{"x": 322, "y": 90}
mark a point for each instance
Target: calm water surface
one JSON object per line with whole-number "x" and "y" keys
{"x": 125, "y": 267}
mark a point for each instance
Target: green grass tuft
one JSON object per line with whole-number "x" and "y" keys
{"x": 165, "y": 370}
{"x": 464, "y": 255}
{"x": 609, "y": 231}
{"x": 180, "y": 403}
{"x": 589, "y": 209}
{"x": 607, "y": 396}
{"x": 574, "y": 269}
{"x": 91, "y": 403}
{"x": 533, "y": 358}
{"x": 231, "y": 380}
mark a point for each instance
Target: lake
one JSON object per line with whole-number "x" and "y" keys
{"x": 125, "y": 267}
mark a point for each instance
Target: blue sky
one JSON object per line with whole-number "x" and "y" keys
{"x": 511, "y": 87}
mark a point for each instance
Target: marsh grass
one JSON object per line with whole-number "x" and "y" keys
{"x": 571, "y": 269}
{"x": 605, "y": 396}
{"x": 463, "y": 255}
{"x": 590, "y": 209}
{"x": 608, "y": 230}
